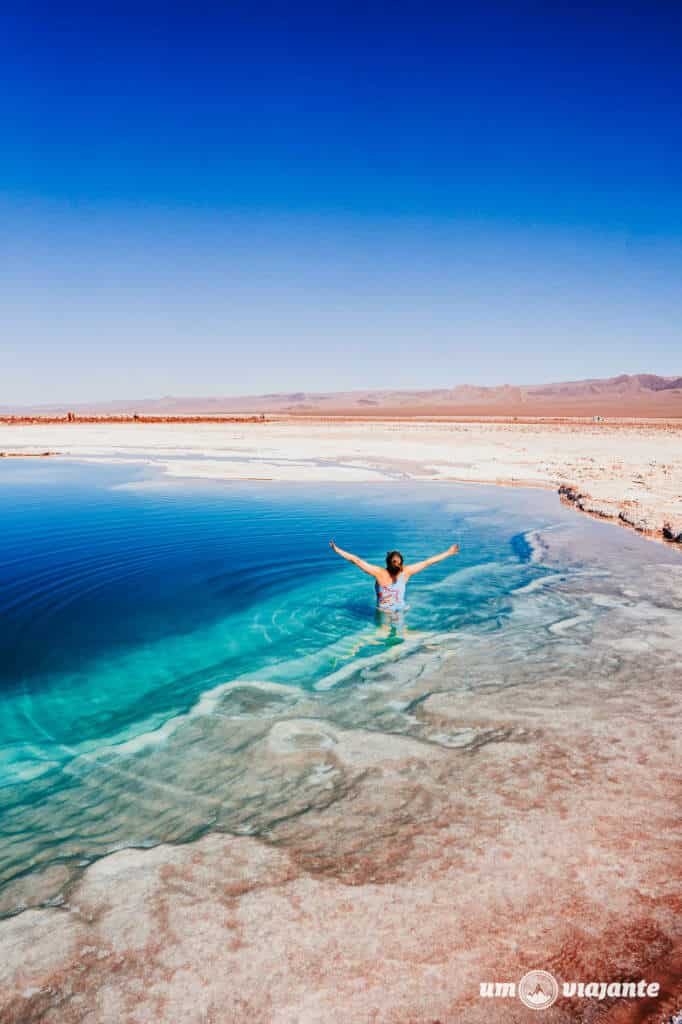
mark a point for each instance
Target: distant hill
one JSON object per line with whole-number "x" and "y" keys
{"x": 642, "y": 394}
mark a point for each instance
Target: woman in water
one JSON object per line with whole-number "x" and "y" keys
{"x": 390, "y": 582}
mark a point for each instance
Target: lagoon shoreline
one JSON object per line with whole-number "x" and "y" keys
{"x": 503, "y": 812}
{"x": 626, "y": 471}
{"x": 491, "y": 811}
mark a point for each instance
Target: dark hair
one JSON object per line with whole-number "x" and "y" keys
{"x": 389, "y": 556}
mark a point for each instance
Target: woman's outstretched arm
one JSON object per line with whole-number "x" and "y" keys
{"x": 371, "y": 570}
{"x": 410, "y": 570}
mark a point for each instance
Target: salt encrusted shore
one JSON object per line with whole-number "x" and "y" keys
{"x": 626, "y": 471}
{"x": 553, "y": 843}
{"x": 517, "y": 810}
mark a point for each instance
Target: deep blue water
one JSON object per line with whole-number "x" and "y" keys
{"x": 125, "y": 597}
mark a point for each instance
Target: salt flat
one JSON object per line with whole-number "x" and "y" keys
{"x": 627, "y": 470}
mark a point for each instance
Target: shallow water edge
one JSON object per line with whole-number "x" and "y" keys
{"x": 495, "y": 800}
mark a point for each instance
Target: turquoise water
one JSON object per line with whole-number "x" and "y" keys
{"x": 149, "y": 627}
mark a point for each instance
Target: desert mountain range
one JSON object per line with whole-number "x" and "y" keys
{"x": 641, "y": 394}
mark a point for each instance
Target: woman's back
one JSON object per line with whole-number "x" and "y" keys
{"x": 391, "y": 595}
{"x": 389, "y": 583}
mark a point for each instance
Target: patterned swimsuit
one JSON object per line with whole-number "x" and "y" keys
{"x": 391, "y": 597}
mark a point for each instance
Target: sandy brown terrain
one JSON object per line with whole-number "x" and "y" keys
{"x": 638, "y": 395}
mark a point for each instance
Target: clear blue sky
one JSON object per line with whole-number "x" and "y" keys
{"x": 234, "y": 199}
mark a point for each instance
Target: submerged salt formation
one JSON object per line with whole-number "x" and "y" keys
{"x": 458, "y": 810}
